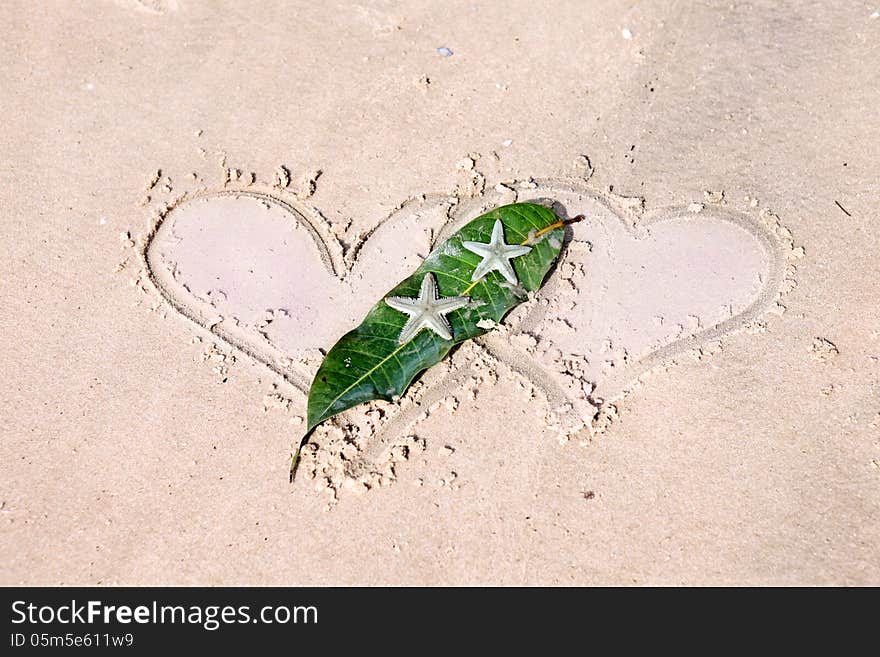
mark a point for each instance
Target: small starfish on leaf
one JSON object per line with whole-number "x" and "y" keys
{"x": 426, "y": 311}
{"x": 496, "y": 255}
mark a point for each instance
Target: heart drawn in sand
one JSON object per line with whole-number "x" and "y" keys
{"x": 630, "y": 292}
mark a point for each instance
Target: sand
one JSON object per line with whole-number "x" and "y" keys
{"x": 199, "y": 198}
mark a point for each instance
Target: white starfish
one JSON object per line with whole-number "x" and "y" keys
{"x": 496, "y": 255}
{"x": 426, "y": 311}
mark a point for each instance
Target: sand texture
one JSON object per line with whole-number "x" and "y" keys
{"x": 200, "y": 198}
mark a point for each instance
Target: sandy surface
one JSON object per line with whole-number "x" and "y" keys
{"x": 199, "y": 196}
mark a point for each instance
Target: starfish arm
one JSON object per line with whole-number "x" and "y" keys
{"x": 413, "y": 325}
{"x": 477, "y": 247}
{"x": 482, "y": 269}
{"x": 437, "y": 323}
{"x": 402, "y": 304}
{"x": 516, "y": 250}
{"x": 506, "y": 269}
{"x": 448, "y": 304}
{"x": 497, "y": 233}
{"x": 428, "y": 291}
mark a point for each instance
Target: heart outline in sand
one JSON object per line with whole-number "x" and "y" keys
{"x": 436, "y": 216}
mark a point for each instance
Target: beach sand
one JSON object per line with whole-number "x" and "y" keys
{"x": 199, "y": 197}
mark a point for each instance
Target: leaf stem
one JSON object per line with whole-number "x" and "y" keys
{"x": 554, "y": 226}
{"x": 294, "y": 460}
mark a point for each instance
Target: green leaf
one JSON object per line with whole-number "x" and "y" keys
{"x": 369, "y": 363}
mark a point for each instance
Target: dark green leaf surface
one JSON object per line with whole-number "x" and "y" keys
{"x": 368, "y": 363}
